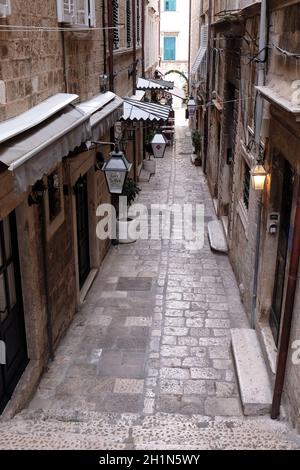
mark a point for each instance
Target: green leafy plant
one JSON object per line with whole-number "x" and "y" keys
{"x": 197, "y": 141}
{"x": 131, "y": 190}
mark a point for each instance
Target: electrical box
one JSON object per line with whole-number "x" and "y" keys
{"x": 273, "y": 223}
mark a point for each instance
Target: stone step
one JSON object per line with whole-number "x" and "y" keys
{"x": 144, "y": 176}
{"x": 53, "y": 430}
{"x": 217, "y": 237}
{"x": 253, "y": 379}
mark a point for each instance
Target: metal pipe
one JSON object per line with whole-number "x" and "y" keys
{"x": 263, "y": 34}
{"x": 111, "y": 46}
{"x": 104, "y": 34}
{"x": 190, "y": 45}
{"x": 143, "y": 38}
{"x": 64, "y": 61}
{"x": 46, "y": 282}
{"x": 134, "y": 20}
{"x": 207, "y": 94}
{"x": 288, "y": 312}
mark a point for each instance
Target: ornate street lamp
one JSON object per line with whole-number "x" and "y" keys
{"x": 159, "y": 145}
{"x": 116, "y": 170}
{"x": 258, "y": 177}
{"x": 191, "y": 107}
{"x": 103, "y": 82}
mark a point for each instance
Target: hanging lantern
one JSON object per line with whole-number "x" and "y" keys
{"x": 116, "y": 170}
{"x": 191, "y": 107}
{"x": 159, "y": 145}
{"x": 258, "y": 177}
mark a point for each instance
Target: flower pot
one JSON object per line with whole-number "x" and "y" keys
{"x": 123, "y": 230}
{"x": 150, "y": 165}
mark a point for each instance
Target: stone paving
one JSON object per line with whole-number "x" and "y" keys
{"x": 147, "y": 361}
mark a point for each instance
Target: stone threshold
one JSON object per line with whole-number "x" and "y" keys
{"x": 87, "y": 285}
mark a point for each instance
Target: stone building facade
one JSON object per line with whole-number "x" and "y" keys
{"x": 57, "y": 64}
{"x": 258, "y": 225}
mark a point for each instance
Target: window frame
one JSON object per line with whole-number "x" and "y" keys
{"x": 175, "y": 45}
{"x": 172, "y": 5}
{"x": 115, "y": 23}
{"x": 68, "y": 12}
{"x": 53, "y": 224}
{"x": 5, "y": 8}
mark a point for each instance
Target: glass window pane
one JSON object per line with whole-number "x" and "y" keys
{"x": 12, "y": 286}
{"x": 7, "y": 237}
{"x": 3, "y": 305}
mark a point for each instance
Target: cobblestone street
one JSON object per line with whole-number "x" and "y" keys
{"x": 147, "y": 361}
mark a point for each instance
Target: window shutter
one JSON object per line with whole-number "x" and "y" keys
{"x": 92, "y": 13}
{"x": 138, "y": 22}
{"x": 5, "y": 8}
{"x": 204, "y": 36}
{"x": 128, "y": 22}
{"x": 115, "y": 12}
{"x": 66, "y": 11}
{"x": 82, "y": 13}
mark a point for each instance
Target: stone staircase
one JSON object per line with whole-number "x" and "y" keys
{"x": 71, "y": 429}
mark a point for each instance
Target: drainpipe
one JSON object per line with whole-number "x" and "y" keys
{"x": 110, "y": 46}
{"x": 263, "y": 34}
{"x": 46, "y": 282}
{"x": 159, "y": 31}
{"x": 104, "y": 34}
{"x": 190, "y": 45}
{"x": 288, "y": 312}
{"x": 134, "y": 20}
{"x": 207, "y": 94}
{"x": 64, "y": 56}
{"x": 143, "y": 38}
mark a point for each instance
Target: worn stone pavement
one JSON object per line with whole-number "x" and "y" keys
{"x": 147, "y": 361}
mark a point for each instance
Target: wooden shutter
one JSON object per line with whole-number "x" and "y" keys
{"x": 115, "y": 12}
{"x": 128, "y": 23}
{"x": 138, "y": 22}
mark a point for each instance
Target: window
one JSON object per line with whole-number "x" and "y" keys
{"x": 138, "y": 22}
{"x": 169, "y": 48}
{"x": 128, "y": 22}
{"x": 115, "y": 21}
{"x": 246, "y": 185}
{"x": 77, "y": 12}
{"x": 170, "y": 5}
{"x": 54, "y": 195}
{"x": 5, "y": 8}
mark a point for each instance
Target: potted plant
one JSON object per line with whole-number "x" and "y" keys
{"x": 131, "y": 190}
{"x": 197, "y": 144}
{"x": 149, "y": 164}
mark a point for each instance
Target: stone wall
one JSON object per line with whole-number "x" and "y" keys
{"x": 35, "y": 65}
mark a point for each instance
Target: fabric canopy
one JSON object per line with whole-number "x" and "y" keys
{"x": 144, "y": 111}
{"x": 104, "y": 110}
{"x": 153, "y": 84}
{"x": 35, "y": 152}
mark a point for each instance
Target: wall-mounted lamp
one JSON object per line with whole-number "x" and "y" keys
{"x": 258, "y": 177}
{"x": 103, "y": 82}
{"x": 37, "y": 193}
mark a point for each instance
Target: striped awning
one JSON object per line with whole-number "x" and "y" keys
{"x": 199, "y": 65}
{"x": 143, "y": 111}
{"x": 153, "y": 84}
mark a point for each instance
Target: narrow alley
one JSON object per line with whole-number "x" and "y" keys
{"x": 147, "y": 362}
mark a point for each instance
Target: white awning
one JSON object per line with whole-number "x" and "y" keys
{"x": 35, "y": 152}
{"x": 200, "y": 60}
{"x": 139, "y": 95}
{"x": 143, "y": 111}
{"x": 34, "y": 116}
{"x": 104, "y": 110}
{"x": 178, "y": 93}
{"x": 153, "y": 84}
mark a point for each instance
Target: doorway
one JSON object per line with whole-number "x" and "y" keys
{"x": 282, "y": 252}
{"x": 12, "y": 326}
{"x": 83, "y": 245}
